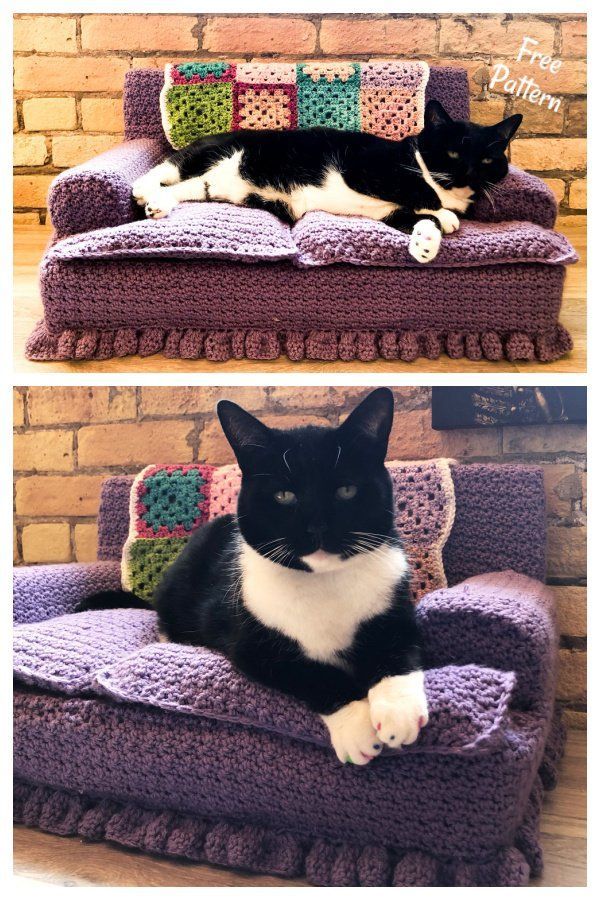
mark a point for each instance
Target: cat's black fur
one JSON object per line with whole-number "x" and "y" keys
{"x": 458, "y": 154}
{"x": 199, "y": 599}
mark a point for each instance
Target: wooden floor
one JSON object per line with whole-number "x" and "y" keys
{"x": 30, "y": 242}
{"x": 67, "y": 861}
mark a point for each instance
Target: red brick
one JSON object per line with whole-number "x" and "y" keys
{"x": 139, "y": 443}
{"x": 72, "y": 149}
{"x": 545, "y": 154}
{"x": 29, "y": 150}
{"x": 58, "y": 405}
{"x": 578, "y": 194}
{"x": 104, "y": 114}
{"x": 493, "y": 34}
{"x": 45, "y": 34}
{"x": 572, "y": 609}
{"x": 572, "y": 675}
{"x": 574, "y": 38}
{"x": 138, "y": 32}
{"x": 43, "y": 451}
{"x": 86, "y": 542}
{"x": 412, "y": 437}
{"x": 31, "y": 190}
{"x": 58, "y": 495}
{"x": 175, "y": 401}
{"x": 562, "y": 484}
{"x": 63, "y": 73}
{"x": 48, "y": 542}
{"x": 571, "y": 78}
{"x": 539, "y": 119}
{"x": 18, "y": 409}
{"x": 408, "y": 36}
{"x": 567, "y": 551}
{"x": 259, "y": 34}
{"x": 544, "y": 439}
{"x": 49, "y": 114}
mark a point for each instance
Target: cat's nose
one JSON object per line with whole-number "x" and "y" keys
{"x": 316, "y": 528}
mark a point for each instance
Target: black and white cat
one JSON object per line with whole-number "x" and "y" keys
{"x": 420, "y": 183}
{"x": 306, "y": 589}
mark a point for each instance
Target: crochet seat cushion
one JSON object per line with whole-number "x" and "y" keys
{"x": 200, "y": 230}
{"x": 323, "y": 239}
{"x": 116, "y": 654}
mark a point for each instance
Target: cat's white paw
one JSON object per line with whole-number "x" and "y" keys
{"x": 160, "y": 204}
{"x": 352, "y": 734}
{"x": 425, "y": 241}
{"x": 448, "y": 220}
{"x": 142, "y": 188}
{"x": 398, "y": 708}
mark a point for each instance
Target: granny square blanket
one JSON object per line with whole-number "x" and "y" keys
{"x": 168, "y": 502}
{"x": 386, "y": 97}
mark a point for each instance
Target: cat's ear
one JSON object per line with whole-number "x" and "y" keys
{"x": 435, "y": 114}
{"x": 502, "y": 133}
{"x": 249, "y": 438}
{"x": 370, "y": 423}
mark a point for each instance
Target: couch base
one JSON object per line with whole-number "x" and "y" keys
{"x": 219, "y": 346}
{"x": 269, "y": 851}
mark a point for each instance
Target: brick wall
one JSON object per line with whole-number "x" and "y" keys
{"x": 67, "y": 439}
{"x": 69, "y": 72}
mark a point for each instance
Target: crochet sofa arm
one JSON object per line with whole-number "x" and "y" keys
{"x": 43, "y": 592}
{"x": 520, "y": 196}
{"x": 97, "y": 194}
{"x": 503, "y": 620}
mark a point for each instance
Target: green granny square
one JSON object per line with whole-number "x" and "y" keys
{"x": 148, "y": 560}
{"x": 195, "y": 110}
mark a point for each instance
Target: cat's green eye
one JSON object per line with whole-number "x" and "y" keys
{"x": 346, "y": 492}
{"x": 286, "y": 498}
{"x": 452, "y": 154}
{"x": 487, "y": 160}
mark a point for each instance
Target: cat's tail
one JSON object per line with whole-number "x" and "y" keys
{"x": 112, "y": 600}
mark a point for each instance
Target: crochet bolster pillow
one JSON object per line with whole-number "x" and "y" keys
{"x": 168, "y": 502}
{"x": 115, "y": 653}
{"x": 384, "y": 97}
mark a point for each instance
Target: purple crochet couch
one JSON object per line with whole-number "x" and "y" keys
{"x": 222, "y": 282}
{"x": 166, "y": 749}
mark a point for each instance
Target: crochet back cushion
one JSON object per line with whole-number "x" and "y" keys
{"x": 168, "y": 502}
{"x": 386, "y": 97}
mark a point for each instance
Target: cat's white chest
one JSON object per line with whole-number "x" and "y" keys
{"x": 321, "y": 611}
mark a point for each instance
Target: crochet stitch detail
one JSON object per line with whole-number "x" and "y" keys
{"x": 198, "y": 99}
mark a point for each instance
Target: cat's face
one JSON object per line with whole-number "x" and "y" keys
{"x": 313, "y": 497}
{"x": 471, "y": 155}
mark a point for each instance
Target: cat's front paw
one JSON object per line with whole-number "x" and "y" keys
{"x": 398, "y": 707}
{"x": 449, "y": 221}
{"x": 160, "y": 205}
{"x": 425, "y": 241}
{"x": 352, "y": 734}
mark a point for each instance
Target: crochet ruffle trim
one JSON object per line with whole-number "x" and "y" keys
{"x": 220, "y": 346}
{"x": 257, "y": 849}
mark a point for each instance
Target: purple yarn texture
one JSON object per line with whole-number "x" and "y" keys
{"x": 182, "y": 287}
